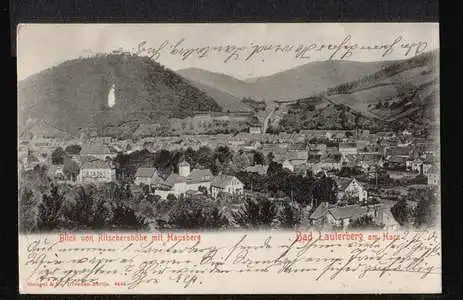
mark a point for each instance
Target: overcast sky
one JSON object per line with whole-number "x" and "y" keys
{"x": 41, "y": 46}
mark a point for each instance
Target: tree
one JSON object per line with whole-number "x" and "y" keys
{"x": 274, "y": 168}
{"x": 171, "y": 197}
{"x": 364, "y": 222}
{"x": 270, "y": 157}
{"x": 27, "y": 210}
{"x": 254, "y": 213}
{"x": 190, "y": 156}
{"x": 222, "y": 154}
{"x": 214, "y": 218}
{"x": 79, "y": 212}
{"x": 267, "y": 211}
{"x": 73, "y": 149}
{"x": 203, "y": 189}
{"x": 425, "y": 212}
{"x": 49, "y": 210}
{"x": 57, "y": 156}
{"x": 162, "y": 159}
{"x": 204, "y": 156}
{"x": 350, "y": 172}
{"x": 289, "y": 216}
{"x": 70, "y": 168}
{"x": 325, "y": 190}
{"x": 102, "y": 215}
{"x": 401, "y": 212}
{"x": 248, "y": 215}
{"x": 125, "y": 218}
{"x": 259, "y": 158}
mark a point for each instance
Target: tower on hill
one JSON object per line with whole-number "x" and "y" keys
{"x": 184, "y": 169}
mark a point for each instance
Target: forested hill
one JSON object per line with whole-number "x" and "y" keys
{"x": 73, "y": 95}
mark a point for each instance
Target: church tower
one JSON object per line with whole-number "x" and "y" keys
{"x": 184, "y": 169}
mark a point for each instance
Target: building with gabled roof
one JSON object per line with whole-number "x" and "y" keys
{"x": 100, "y": 151}
{"x": 348, "y": 148}
{"x": 184, "y": 181}
{"x": 226, "y": 184}
{"x": 341, "y": 216}
{"x": 350, "y": 189}
{"x": 149, "y": 176}
{"x": 259, "y": 169}
{"x": 96, "y": 171}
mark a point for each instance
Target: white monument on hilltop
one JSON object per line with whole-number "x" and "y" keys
{"x": 111, "y": 96}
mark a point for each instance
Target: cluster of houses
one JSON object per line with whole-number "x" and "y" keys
{"x": 352, "y": 204}
{"x": 308, "y": 150}
{"x": 188, "y": 181}
{"x": 297, "y": 152}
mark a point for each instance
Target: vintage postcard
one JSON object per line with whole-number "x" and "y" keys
{"x": 229, "y": 158}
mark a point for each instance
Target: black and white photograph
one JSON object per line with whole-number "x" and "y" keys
{"x": 228, "y": 126}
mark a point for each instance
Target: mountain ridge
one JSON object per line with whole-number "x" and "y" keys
{"x": 302, "y": 81}
{"x": 73, "y": 95}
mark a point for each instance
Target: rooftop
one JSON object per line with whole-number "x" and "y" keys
{"x": 343, "y": 182}
{"x": 222, "y": 181}
{"x": 95, "y": 164}
{"x": 174, "y": 178}
{"x": 320, "y": 211}
{"x": 348, "y": 212}
{"x": 183, "y": 164}
{"x": 145, "y": 172}
{"x": 347, "y": 145}
{"x": 199, "y": 175}
{"x": 98, "y": 149}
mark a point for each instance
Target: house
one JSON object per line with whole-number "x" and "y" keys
{"x": 259, "y": 169}
{"x": 433, "y": 176}
{"x": 100, "y": 151}
{"x": 318, "y": 148}
{"x": 403, "y": 151}
{"x": 341, "y": 216}
{"x": 184, "y": 181}
{"x": 350, "y": 189}
{"x": 226, "y": 184}
{"x": 56, "y": 172}
{"x": 199, "y": 178}
{"x": 369, "y": 160}
{"x": 96, "y": 171}
{"x": 348, "y": 148}
{"x": 414, "y": 165}
{"x": 427, "y": 168}
{"x": 397, "y": 162}
{"x": 297, "y": 157}
{"x": 287, "y": 165}
{"x": 175, "y": 184}
{"x": 146, "y": 176}
{"x": 254, "y": 130}
{"x": 318, "y": 217}
{"x": 326, "y": 163}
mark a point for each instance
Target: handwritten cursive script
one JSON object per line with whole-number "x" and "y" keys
{"x": 343, "y": 49}
{"x": 189, "y": 264}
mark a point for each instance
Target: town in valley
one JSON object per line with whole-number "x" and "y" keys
{"x": 307, "y": 163}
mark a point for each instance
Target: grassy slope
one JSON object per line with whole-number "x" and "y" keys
{"x": 402, "y": 95}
